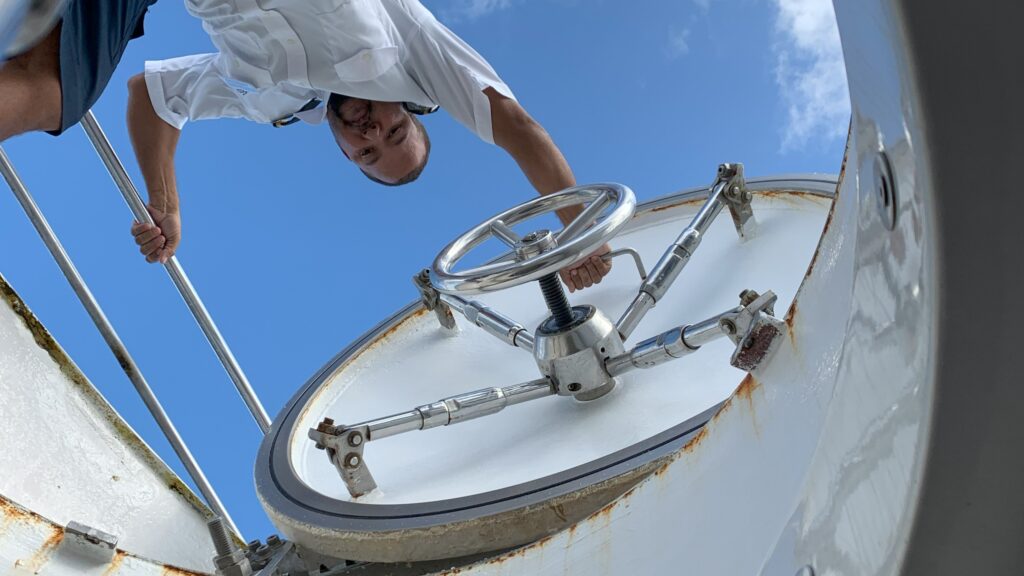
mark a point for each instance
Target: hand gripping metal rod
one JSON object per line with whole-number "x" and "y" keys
{"x": 111, "y": 337}
{"x": 177, "y": 273}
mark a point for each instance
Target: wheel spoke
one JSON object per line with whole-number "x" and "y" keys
{"x": 504, "y": 233}
{"x": 584, "y": 220}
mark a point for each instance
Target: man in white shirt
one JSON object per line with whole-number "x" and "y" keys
{"x": 361, "y": 64}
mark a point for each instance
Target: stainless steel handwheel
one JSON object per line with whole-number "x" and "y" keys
{"x": 540, "y": 253}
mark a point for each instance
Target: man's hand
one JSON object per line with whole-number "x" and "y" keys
{"x": 154, "y": 142}
{"x": 158, "y": 243}
{"x": 588, "y": 272}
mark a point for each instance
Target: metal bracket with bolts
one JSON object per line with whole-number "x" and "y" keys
{"x": 432, "y": 300}
{"x": 738, "y": 198}
{"x": 344, "y": 445}
{"x": 755, "y": 330}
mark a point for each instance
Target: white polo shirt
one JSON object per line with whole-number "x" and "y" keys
{"x": 277, "y": 55}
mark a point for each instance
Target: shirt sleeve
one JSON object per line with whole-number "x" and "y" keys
{"x": 454, "y": 76}
{"x": 196, "y": 88}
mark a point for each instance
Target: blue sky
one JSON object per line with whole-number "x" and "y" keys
{"x": 296, "y": 254}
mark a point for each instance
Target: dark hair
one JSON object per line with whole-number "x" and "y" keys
{"x": 334, "y": 107}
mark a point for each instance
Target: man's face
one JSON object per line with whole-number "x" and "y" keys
{"x": 380, "y": 137}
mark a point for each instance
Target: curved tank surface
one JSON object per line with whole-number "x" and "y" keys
{"x": 533, "y": 469}
{"x": 69, "y": 459}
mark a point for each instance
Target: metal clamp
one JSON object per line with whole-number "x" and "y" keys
{"x": 738, "y": 198}
{"x": 344, "y": 446}
{"x": 755, "y": 330}
{"x": 432, "y": 300}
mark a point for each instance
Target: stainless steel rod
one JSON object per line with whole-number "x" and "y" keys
{"x": 673, "y": 261}
{"x": 177, "y": 273}
{"x": 491, "y": 321}
{"x": 671, "y": 344}
{"x": 113, "y": 340}
{"x": 455, "y": 409}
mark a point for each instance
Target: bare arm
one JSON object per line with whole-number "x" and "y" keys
{"x": 155, "y": 142}
{"x": 547, "y": 170}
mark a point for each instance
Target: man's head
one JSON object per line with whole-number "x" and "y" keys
{"x": 385, "y": 141}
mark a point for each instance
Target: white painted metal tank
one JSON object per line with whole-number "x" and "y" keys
{"x": 67, "y": 457}
{"x": 532, "y": 470}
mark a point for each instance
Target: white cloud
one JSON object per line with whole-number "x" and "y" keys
{"x": 810, "y": 72}
{"x": 678, "y": 42}
{"x": 473, "y": 9}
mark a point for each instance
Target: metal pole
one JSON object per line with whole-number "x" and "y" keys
{"x": 113, "y": 340}
{"x": 176, "y": 272}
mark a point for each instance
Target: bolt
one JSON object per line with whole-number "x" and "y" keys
{"x": 274, "y": 540}
{"x": 747, "y": 297}
{"x": 727, "y": 326}
{"x": 352, "y": 460}
{"x": 263, "y": 550}
{"x": 747, "y": 196}
{"x": 219, "y": 535}
{"x": 253, "y": 545}
{"x": 575, "y": 387}
{"x": 355, "y": 439}
{"x": 554, "y": 297}
{"x": 531, "y": 237}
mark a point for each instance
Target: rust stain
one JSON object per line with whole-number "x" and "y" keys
{"x": 42, "y": 555}
{"x": 756, "y": 347}
{"x": 378, "y": 341}
{"x": 787, "y": 194}
{"x": 11, "y": 512}
{"x": 115, "y": 564}
{"x": 791, "y": 327}
{"x": 175, "y": 571}
{"x": 832, "y": 209}
{"x": 699, "y": 200}
{"x": 747, "y": 387}
{"x": 387, "y": 334}
{"x": 746, "y": 391}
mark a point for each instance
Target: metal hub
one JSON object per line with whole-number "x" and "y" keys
{"x": 574, "y": 357}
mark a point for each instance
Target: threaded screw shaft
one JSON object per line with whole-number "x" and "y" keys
{"x": 219, "y": 535}
{"x": 554, "y": 297}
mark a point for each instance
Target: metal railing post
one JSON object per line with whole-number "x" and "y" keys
{"x": 111, "y": 337}
{"x": 176, "y": 272}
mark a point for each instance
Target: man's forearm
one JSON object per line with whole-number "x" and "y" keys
{"x": 155, "y": 142}
{"x": 532, "y": 148}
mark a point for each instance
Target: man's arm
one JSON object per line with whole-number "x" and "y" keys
{"x": 546, "y": 168}
{"x": 154, "y": 142}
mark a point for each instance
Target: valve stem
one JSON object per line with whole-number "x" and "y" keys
{"x": 554, "y": 297}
